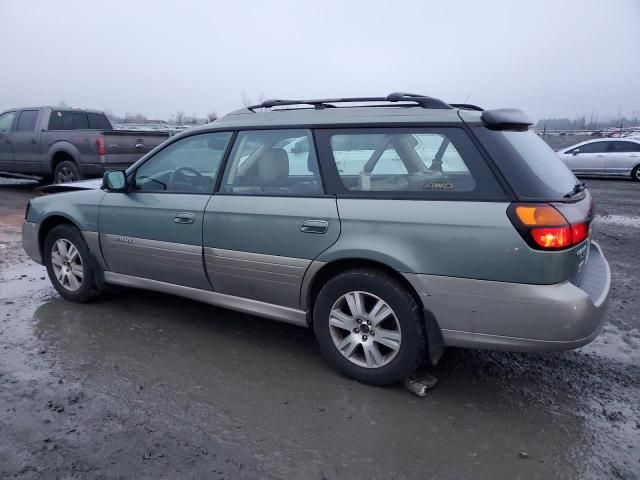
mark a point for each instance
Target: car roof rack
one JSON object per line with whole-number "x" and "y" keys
{"x": 467, "y": 106}
{"x": 320, "y": 104}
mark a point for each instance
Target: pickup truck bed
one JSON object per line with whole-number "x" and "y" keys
{"x": 68, "y": 144}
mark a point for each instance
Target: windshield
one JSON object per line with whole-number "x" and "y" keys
{"x": 531, "y": 167}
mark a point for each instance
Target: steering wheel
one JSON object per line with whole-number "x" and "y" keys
{"x": 179, "y": 177}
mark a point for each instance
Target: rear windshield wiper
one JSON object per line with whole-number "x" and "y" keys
{"x": 577, "y": 188}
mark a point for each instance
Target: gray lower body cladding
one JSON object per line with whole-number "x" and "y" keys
{"x": 266, "y": 278}
{"x": 518, "y": 317}
{"x": 470, "y": 313}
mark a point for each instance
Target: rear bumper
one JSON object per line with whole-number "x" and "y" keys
{"x": 519, "y": 317}
{"x": 30, "y": 242}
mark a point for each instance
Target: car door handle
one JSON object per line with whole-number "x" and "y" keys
{"x": 34, "y": 141}
{"x": 314, "y": 226}
{"x": 600, "y": 155}
{"x": 184, "y": 217}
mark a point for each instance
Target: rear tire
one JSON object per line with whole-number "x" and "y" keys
{"x": 635, "y": 173}
{"x": 69, "y": 264}
{"x": 369, "y": 327}
{"x": 66, "y": 171}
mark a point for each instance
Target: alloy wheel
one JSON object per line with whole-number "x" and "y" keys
{"x": 67, "y": 264}
{"x": 65, "y": 175}
{"x": 365, "y": 329}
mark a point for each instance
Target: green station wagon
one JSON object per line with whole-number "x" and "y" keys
{"x": 393, "y": 226}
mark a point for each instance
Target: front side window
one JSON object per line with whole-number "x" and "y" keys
{"x": 6, "y": 120}
{"x": 596, "y": 147}
{"x": 436, "y": 161}
{"x": 273, "y": 162}
{"x": 190, "y": 165}
{"x": 27, "y": 121}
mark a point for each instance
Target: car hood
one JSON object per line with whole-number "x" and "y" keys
{"x": 71, "y": 186}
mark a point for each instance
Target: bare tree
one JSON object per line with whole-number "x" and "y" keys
{"x": 179, "y": 118}
{"x": 246, "y": 99}
{"x": 212, "y": 116}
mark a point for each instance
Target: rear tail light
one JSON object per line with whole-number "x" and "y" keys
{"x": 543, "y": 227}
{"x": 100, "y": 148}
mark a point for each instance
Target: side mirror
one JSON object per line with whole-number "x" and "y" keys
{"x": 576, "y": 151}
{"x": 114, "y": 181}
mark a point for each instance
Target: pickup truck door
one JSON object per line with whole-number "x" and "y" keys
{"x": 270, "y": 219}
{"x": 155, "y": 230}
{"x": 6, "y": 155}
{"x": 25, "y": 141}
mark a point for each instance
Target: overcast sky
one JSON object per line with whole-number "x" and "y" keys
{"x": 550, "y": 58}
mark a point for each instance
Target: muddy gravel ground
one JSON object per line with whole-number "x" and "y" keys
{"x": 144, "y": 385}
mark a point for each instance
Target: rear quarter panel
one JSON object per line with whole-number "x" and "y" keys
{"x": 458, "y": 239}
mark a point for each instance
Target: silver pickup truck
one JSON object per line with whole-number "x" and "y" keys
{"x": 68, "y": 144}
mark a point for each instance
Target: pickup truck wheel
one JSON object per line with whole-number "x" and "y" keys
{"x": 66, "y": 171}
{"x": 369, "y": 327}
{"x": 69, "y": 264}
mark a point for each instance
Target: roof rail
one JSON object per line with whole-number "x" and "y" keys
{"x": 467, "y": 106}
{"x": 320, "y": 104}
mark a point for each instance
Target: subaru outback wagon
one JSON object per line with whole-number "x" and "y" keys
{"x": 392, "y": 226}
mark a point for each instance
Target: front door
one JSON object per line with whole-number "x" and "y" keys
{"x": 155, "y": 230}
{"x": 6, "y": 155}
{"x": 25, "y": 143}
{"x": 270, "y": 219}
{"x": 588, "y": 158}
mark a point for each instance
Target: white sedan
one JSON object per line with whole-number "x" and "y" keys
{"x": 612, "y": 156}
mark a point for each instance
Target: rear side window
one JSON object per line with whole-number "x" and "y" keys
{"x": 432, "y": 162}
{"x": 623, "y": 147}
{"x": 27, "y": 121}
{"x": 68, "y": 120}
{"x": 98, "y": 121}
{"x": 531, "y": 167}
{"x": 273, "y": 162}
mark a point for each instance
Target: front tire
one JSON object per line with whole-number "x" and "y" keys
{"x": 69, "y": 264}
{"x": 369, "y": 327}
{"x": 66, "y": 171}
{"x": 635, "y": 173}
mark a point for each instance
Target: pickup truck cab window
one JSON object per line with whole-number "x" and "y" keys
{"x": 6, "y": 119}
{"x": 27, "y": 121}
{"x": 273, "y": 162}
{"x": 189, "y": 165}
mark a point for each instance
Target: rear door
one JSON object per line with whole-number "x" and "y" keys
{"x": 25, "y": 142}
{"x": 155, "y": 230}
{"x": 622, "y": 157}
{"x": 270, "y": 219}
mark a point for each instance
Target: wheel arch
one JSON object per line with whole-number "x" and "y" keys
{"x": 49, "y": 224}
{"x": 319, "y": 276}
{"x": 330, "y": 269}
{"x": 60, "y": 152}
